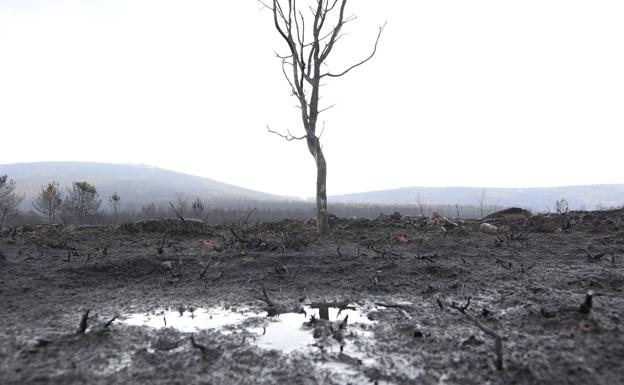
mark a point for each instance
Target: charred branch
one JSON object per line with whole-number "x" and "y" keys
{"x": 498, "y": 340}
{"x": 84, "y": 321}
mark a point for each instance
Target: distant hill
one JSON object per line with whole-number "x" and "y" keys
{"x": 136, "y": 184}
{"x": 139, "y": 185}
{"x": 538, "y": 199}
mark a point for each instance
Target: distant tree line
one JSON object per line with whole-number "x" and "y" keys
{"x": 81, "y": 204}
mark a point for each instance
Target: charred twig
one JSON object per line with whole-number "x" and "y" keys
{"x": 249, "y": 214}
{"x": 202, "y": 349}
{"x": 4, "y": 213}
{"x": 427, "y": 257}
{"x": 592, "y": 258}
{"x": 218, "y": 277}
{"x": 271, "y": 308}
{"x": 462, "y": 309}
{"x": 246, "y": 241}
{"x": 509, "y": 237}
{"x": 586, "y": 306}
{"x": 179, "y": 216}
{"x": 82, "y": 327}
{"x": 108, "y": 324}
{"x": 343, "y": 324}
{"x": 161, "y": 247}
{"x": 205, "y": 270}
{"x": 498, "y": 340}
{"x": 238, "y": 237}
{"x": 382, "y": 248}
{"x": 265, "y": 298}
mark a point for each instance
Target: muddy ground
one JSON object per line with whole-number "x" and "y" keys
{"x": 441, "y": 289}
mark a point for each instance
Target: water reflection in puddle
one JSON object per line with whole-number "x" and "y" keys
{"x": 287, "y": 333}
{"x": 291, "y": 331}
{"x": 188, "y": 321}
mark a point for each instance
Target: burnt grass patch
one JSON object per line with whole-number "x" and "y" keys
{"x": 443, "y": 298}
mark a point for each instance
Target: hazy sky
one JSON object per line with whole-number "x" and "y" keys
{"x": 471, "y": 93}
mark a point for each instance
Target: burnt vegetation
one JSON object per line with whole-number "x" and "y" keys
{"x": 459, "y": 302}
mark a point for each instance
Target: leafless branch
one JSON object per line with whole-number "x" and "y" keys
{"x": 288, "y": 136}
{"x": 381, "y": 29}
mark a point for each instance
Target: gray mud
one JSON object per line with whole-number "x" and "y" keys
{"x": 419, "y": 300}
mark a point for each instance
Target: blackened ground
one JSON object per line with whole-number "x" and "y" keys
{"x": 527, "y": 285}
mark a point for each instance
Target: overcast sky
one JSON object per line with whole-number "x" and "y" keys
{"x": 461, "y": 93}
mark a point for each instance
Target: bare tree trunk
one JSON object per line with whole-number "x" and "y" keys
{"x": 322, "y": 219}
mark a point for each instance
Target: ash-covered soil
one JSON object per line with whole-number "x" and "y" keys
{"x": 547, "y": 288}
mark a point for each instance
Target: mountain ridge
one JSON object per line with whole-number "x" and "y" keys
{"x": 140, "y": 184}
{"x": 535, "y": 198}
{"x": 136, "y": 184}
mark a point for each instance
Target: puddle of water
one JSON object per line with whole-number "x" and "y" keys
{"x": 287, "y": 333}
{"x": 187, "y": 321}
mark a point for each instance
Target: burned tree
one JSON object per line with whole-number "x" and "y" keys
{"x": 82, "y": 201}
{"x": 311, "y": 32}
{"x": 9, "y": 199}
{"x": 180, "y": 206}
{"x": 198, "y": 207}
{"x": 562, "y": 207}
{"x": 481, "y": 202}
{"x": 114, "y": 200}
{"x": 49, "y": 201}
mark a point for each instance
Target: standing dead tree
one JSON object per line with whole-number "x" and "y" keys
{"x": 198, "y": 208}
{"x": 420, "y": 206}
{"x": 311, "y": 31}
{"x": 49, "y": 201}
{"x": 83, "y": 201}
{"x": 481, "y": 201}
{"x": 9, "y": 199}
{"x": 114, "y": 200}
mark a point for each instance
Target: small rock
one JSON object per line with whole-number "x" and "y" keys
{"x": 396, "y": 216}
{"x": 487, "y": 228}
